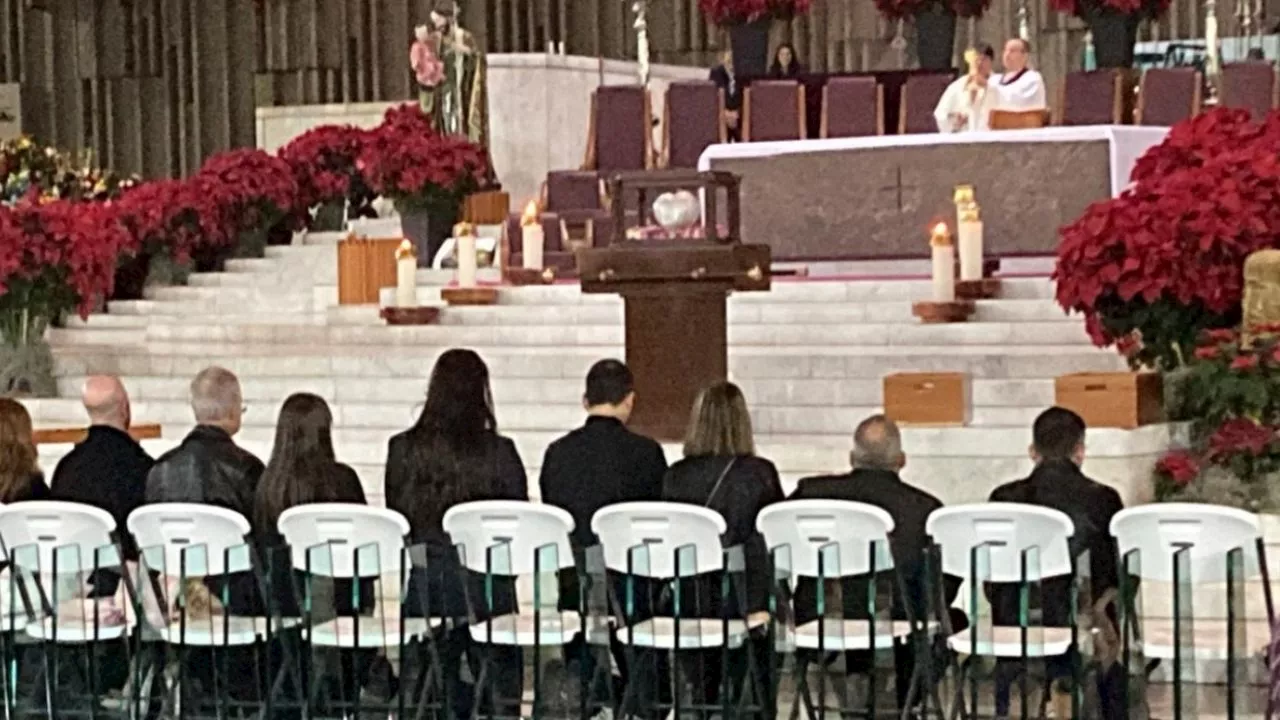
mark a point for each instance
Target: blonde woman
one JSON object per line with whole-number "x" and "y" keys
{"x": 20, "y": 476}
{"x": 721, "y": 471}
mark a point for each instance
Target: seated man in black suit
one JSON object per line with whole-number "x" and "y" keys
{"x": 1057, "y": 482}
{"x": 599, "y": 464}
{"x": 877, "y": 458}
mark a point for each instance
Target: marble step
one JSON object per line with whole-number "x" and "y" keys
{"x": 559, "y": 414}
{"x": 594, "y": 314}
{"x": 811, "y": 291}
{"x": 832, "y": 363}
{"x": 740, "y": 334}
{"x": 810, "y": 393}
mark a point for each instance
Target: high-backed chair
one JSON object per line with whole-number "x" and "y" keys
{"x": 773, "y": 110}
{"x": 693, "y": 118}
{"x": 920, "y": 96}
{"x": 620, "y": 136}
{"x": 1252, "y": 86}
{"x": 1167, "y": 96}
{"x": 574, "y": 214}
{"x": 852, "y": 107}
{"x": 1094, "y": 97}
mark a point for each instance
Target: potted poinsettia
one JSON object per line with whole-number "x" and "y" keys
{"x": 1162, "y": 262}
{"x": 324, "y": 165}
{"x": 1113, "y": 25}
{"x": 935, "y": 22}
{"x": 55, "y": 258}
{"x": 748, "y": 23}
{"x": 174, "y": 226}
{"x": 426, "y": 174}
{"x": 258, "y": 191}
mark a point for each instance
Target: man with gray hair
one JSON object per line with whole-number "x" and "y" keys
{"x": 208, "y": 467}
{"x": 877, "y": 458}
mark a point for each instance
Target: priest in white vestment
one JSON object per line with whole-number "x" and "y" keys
{"x": 967, "y": 103}
{"x": 1019, "y": 88}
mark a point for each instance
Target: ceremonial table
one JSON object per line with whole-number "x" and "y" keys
{"x": 875, "y": 197}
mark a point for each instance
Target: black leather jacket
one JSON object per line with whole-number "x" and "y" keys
{"x": 207, "y": 468}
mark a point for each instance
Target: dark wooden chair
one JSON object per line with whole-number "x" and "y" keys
{"x": 1251, "y": 86}
{"x": 920, "y": 96}
{"x": 852, "y": 107}
{"x": 693, "y": 118}
{"x": 1094, "y": 97}
{"x": 620, "y": 137}
{"x": 1167, "y": 96}
{"x": 773, "y": 110}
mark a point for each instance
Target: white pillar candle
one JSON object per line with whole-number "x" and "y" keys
{"x": 406, "y": 276}
{"x": 944, "y": 264}
{"x": 531, "y": 237}
{"x": 969, "y": 245}
{"x": 466, "y": 249}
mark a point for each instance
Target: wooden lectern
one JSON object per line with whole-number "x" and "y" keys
{"x": 674, "y": 290}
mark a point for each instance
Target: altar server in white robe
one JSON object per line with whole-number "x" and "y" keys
{"x": 968, "y": 101}
{"x": 1019, "y": 88}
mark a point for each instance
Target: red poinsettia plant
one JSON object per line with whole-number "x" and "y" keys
{"x": 1232, "y": 390}
{"x": 406, "y": 160}
{"x": 739, "y": 12}
{"x": 254, "y": 188}
{"x": 323, "y": 160}
{"x": 55, "y": 257}
{"x": 1154, "y": 267}
{"x": 180, "y": 217}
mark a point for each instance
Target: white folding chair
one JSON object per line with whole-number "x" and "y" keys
{"x": 522, "y": 529}
{"x": 834, "y": 539}
{"x": 188, "y": 541}
{"x": 1006, "y": 530}
{"x": 1152, "y": 535}
{"x": 345, "y": 530}
{"x": 49, "y": 541}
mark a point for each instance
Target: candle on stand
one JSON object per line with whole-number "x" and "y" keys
{"x": 465, "y": 247}
{"x": 531, "y": 236}
{"x": 969, "y": 233}
{"x": 406, "y": 276}
{"x": 944, "y": 264}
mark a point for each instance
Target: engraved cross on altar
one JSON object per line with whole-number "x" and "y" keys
{"x": 898, "y": 187}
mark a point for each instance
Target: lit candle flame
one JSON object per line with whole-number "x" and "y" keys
{"x": 530, "y": 216}
{"x": 405, "y": 250}
{"x": 940, "y": 236}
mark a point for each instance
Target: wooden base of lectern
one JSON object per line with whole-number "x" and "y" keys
{"x": 675, "y": 347}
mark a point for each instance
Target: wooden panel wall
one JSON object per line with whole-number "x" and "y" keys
{"x": 154, "y": 86}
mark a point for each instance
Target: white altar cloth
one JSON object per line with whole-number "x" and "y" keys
{"x": 1127, "y": 144}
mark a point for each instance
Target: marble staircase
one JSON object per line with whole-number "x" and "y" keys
{"x": 810, "y": 355}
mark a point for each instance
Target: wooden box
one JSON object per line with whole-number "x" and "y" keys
{"x": 1114, "y": 400}
{"x": 365, "y": 266}
{"x": 927, "y": 398}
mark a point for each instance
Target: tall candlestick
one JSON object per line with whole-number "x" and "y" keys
{"x": 944, "y": 264}
{"x": 406, "y": 276}
{"x": 1213, "y": 66}
{"x": 465, "y": 246}
{"x": 531, "y": 237}
{"x": 969, "y": 233}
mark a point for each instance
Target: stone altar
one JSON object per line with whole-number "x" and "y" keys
{"x": 860, "y": 198}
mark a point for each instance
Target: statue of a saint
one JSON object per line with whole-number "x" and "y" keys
{"x": 450, "y": 70}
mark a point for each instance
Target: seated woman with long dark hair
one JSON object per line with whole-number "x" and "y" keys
{"x": 303, "y": 469}
{"x": 453, "y": 454}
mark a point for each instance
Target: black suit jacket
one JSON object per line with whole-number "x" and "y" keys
{"x": 108, "y": 470}
{"x": 436, "y": 589}
{"x": 910, "y": 508}
{"x": 1060, "y": 484}
{"x": 732, "y": 90}
{"x": 207, "y": 468}
{"x": 600, "y": 464}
